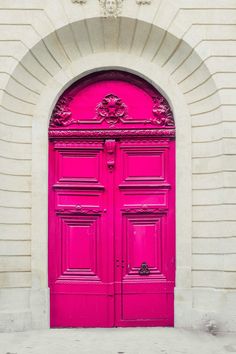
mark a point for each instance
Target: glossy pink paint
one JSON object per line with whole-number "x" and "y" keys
{"x": 111, "y": 205}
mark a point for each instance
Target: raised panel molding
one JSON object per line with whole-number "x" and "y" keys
{"x": 85, "y": 165}
{"x": 80, "y": 234}
{"x": 146, "y": 229}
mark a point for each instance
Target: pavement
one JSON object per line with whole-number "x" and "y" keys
{"x": 117, "y": 341}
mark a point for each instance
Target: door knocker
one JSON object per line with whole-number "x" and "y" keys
{"x": 144, "y": 270}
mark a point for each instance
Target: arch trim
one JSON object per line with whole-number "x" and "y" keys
{"x": 159, "y": 78}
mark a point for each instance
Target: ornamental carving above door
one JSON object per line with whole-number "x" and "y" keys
{"x": 113, "y": 110}
{"x": 111, "y": 204}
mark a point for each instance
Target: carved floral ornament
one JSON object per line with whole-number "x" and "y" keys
{"x": 145, "y": 209}
{"x": 79, "y": 209}
{"x": 113, "y": 110}
{"x": 112, "y": 8}
{"x": 61, "y": 115}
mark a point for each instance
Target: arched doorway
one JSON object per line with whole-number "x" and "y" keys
{"x": 111, "y": 204}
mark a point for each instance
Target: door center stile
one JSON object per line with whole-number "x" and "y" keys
{"x": 110, "y": 148}
{"x": 110, "y": 167}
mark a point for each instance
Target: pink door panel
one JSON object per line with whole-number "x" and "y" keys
{"x": 145, "y": 229}
{"x": 79, "y": 278}
{"x": 111, "y": 205}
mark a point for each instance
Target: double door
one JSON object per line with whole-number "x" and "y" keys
{"x": 111, "y": 232}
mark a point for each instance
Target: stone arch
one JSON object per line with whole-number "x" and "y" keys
{"x": 45, "y": 77}
{"x": 39, "y": 198}
{"x": 158, "y": 45}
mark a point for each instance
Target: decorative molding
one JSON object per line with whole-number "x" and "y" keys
{"x": 162, "y": 112}
{"x": 61, "y": 115}
{"x": 143, "y": 2}
{"x": 74, "y": 187}
{"x": 80, "y": 210}
{"x": 112, "y": 109}
{"x": 111, "y": 8}
{"x": 103, "y": 133}
{"x": 81, "y": 144}
{"x": 161, "y": 142}
{"x": 144, "y": 209}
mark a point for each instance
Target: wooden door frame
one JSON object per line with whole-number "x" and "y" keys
{"x": 156, "y": 123}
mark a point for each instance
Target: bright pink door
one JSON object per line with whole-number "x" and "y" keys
{"x": 111, "y": 207}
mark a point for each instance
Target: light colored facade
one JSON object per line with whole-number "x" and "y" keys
{"x": 186, "y": 49}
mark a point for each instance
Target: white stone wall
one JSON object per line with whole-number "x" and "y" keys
{"x": 187, "y": 49}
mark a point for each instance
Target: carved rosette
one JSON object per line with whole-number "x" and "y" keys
{"x": 61, "y": 115}
{"x": 162, "y": 112}
{"x": 112, "y": 109}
